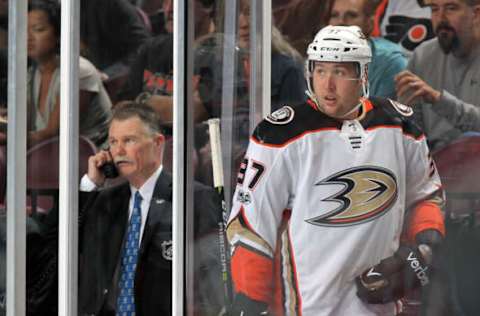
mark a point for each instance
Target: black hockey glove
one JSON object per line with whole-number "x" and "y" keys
{"x": 395, "y": 276}
{"x": 244, "y": 306}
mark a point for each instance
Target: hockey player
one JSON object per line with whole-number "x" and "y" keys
{"x": 337, "y": 206}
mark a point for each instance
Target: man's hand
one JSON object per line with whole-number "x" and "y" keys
{"x": 94, "y": 163}
{"x": 395, "y": 276}
{"x": 411, "y": 88}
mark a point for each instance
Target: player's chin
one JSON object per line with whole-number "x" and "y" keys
{"x": 330, "y": 107}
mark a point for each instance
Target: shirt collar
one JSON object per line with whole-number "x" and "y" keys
{"x": 146, "y": 190}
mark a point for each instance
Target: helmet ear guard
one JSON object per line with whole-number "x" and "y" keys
{"x": 339, "y": 44}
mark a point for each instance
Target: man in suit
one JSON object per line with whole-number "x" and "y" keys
{"x": 126, "y": 230}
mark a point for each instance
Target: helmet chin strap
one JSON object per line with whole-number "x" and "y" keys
{"x": 355, "y": 108}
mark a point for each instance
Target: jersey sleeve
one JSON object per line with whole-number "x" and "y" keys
{"x": 262, "y": 194}
{"x": 425, "y": 196}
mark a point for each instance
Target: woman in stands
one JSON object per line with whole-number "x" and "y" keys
{"x": 44, "y": 80}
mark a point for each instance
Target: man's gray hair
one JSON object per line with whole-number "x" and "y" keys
{"x": 145, "y": 113}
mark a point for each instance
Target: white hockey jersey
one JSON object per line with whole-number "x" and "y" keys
{"x": 322, "y": 200}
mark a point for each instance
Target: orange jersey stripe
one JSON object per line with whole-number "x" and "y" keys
{"x": 426, "y": 215}
{"x": 252, "y": 274}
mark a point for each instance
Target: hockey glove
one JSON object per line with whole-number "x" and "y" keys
{"x": 244, "y": 306}
{"x": 395, "y": 276}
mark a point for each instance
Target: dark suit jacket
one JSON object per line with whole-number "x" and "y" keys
{"x": 103, "y": 226}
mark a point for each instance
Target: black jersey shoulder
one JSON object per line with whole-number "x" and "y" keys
{"x": 290, "y": 122}
{"x": 387, "y": 112}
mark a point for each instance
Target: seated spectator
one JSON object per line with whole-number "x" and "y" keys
{"x": 299, "y": 20}
{"x": 151, "y": 79}
{"x": 387, "y": 57}
{"x": 111, "y": 32}
{"x": 288, "y": 84}
{"x": 442, "y": 79}
{"x": 151, "y": 72}
{"x": 43, "y": 88}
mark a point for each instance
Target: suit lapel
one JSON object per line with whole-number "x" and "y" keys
{"x": 160, "y": 208}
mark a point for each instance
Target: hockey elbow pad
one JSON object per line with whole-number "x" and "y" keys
{"x": 393, "y": 277}
{"x": 245, "y": 306}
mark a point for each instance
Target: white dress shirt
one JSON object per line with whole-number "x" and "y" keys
{"x": 146, "y": 191}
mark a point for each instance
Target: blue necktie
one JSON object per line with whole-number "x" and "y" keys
{"x": 128, "y": 264}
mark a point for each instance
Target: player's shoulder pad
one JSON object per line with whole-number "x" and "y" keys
{"x": 288, "y": 122}
{"x": 281, "y": 116}
{"x": 396, "y": 113}
{"x": 401, "y": 108}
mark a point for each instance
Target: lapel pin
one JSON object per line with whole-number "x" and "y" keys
{"x": 159, "y": 201}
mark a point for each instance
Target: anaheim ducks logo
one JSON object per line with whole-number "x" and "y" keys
{"x": 368, "y": 192}
{"x": 403, "y": 109}
{"x": 281, "y": 116}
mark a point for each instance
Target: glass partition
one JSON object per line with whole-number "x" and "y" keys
{"x": 3, "y": 151}
{"x": 16, "y": 227}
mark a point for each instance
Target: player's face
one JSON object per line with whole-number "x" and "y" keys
{"x": 337, "y": 87}
{"x": 453, "y": 23}
{"x": 351, "y": 12}
{"x": 42, "y": 41}
{"x": 136, "y": 151}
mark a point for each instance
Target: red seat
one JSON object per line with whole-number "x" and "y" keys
{"x": 42, "y": 170}
{"x": 459, "y": 167}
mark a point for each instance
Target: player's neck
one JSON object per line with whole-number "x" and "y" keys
{"x": 353, "y": 113}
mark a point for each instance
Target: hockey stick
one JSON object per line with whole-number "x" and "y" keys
{"x": 215, "y": 146}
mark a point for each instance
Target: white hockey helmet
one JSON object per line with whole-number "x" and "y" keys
{"x": 339, "y": 44}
